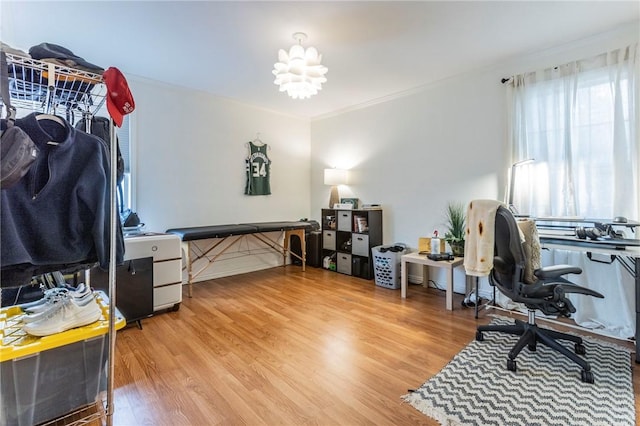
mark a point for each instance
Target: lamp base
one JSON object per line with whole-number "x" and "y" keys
{"x": 334, "y": 198}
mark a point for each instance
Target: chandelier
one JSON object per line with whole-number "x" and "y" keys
{"x": 299, "y": 72}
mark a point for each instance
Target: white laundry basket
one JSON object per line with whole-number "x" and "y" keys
{"x": 386, "y": 265}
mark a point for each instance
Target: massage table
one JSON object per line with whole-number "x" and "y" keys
{"x": 223, "y": 232}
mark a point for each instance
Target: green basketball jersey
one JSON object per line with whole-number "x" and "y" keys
{"x": 258, "y": 168}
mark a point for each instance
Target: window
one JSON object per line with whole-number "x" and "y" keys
{"x": 125, "y": 139}
{"x": 578, "y": 122}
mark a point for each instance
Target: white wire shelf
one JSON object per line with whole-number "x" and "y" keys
{"x": 53, "y": 89}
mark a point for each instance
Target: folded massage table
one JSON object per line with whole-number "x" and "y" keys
{"x": 223, "y": 232}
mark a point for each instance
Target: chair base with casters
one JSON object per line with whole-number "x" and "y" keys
{"x": 544, "y": 290}
{"x": 530, "y": 335}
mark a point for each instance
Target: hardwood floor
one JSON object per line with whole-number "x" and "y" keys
{"x": 288, "y": 347}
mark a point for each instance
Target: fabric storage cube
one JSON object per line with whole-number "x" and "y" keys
{"x": 344, "y": 263}
{"x": 344, "y": 220}
{"x": 360, "y": 245}
{"x": 329, "y": 240}
{"x": 44, "y": 378}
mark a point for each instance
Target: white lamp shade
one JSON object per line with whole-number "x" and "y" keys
{"x": 336, "y": 177}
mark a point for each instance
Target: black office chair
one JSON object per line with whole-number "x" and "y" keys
{"x": 547, "y": 294}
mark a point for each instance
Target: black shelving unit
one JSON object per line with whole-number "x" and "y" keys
{"x": 347, "y": 239}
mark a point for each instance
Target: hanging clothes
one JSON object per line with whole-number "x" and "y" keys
{"x": 57, "y": 217}
{"x": 258, "y": 169}
{"x": 100, "y": 127}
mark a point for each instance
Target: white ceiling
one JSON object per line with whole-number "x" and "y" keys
{"x": 372, "y": 49}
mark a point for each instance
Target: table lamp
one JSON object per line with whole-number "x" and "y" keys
{"x": 335, "y": 177}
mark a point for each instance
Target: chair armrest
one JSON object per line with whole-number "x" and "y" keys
{"x": 556, "y": 271}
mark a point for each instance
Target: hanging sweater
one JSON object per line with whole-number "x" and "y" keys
{"x": 58, "y": 214}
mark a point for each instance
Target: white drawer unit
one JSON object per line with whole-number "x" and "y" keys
{"x": 167, "y": 265}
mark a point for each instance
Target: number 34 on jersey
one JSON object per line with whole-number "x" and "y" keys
{"x": 258, "y": 170}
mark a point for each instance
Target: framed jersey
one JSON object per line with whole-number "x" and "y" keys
{"x": 258, "y": 170}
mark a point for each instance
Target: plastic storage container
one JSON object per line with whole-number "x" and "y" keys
{"x": 386, "y": 265}
{"x": 44, "y": 378}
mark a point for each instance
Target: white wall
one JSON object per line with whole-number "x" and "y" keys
{"x": 189, "y": 159}
{"x": 416, "y": 153}
{"x": 189, "y": 167}
{"x": 445, "y": 142}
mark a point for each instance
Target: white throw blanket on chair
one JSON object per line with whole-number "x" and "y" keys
{"x": 479, "y": 241}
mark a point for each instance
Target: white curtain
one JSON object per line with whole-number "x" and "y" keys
{"x": 580, "y": 122}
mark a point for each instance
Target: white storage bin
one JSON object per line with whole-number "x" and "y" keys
{"x": 344, "y": 220}
{"x": 329, "y": 240}
{"x": 360, "y": 245}
{"x": 344, "y": 263}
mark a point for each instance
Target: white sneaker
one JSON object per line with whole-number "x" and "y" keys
{"x": 68, "y": 314}
{"x": 53, "y": 302}
{"x": 50, "y": 295}
{"x": 37, "y": 305}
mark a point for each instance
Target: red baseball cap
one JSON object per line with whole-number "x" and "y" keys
{"x": 119, "y": 98}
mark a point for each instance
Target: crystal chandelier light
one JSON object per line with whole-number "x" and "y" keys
{"x": 299, "y": 72}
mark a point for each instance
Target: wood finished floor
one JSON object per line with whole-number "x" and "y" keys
{"x": 286, "y": 347}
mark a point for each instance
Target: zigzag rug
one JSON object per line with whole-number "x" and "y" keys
{"x": 476, "y": 388}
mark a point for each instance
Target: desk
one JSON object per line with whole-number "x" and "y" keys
{"x": 422, "y": 259}
{"x": 629, "y": 257}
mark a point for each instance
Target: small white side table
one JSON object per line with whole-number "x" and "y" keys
{"x": 422, "y": 259}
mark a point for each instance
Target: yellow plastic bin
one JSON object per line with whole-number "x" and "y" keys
{"x": 43, "y": 378}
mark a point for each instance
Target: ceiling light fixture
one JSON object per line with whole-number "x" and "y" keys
{"x": 299, "y": 72}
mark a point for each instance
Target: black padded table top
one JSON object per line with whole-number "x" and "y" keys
{"x": 279, "y": 226}
{"x": 215, "y": 231}
{"x": 221, "y": 231}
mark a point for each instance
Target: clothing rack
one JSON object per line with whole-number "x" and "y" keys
{"x": 50, "y": 88}
{"x": 47, "y": 87}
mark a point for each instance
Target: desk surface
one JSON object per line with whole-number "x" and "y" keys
{"x": 574, "y": 244}
{"x": 423, "y": 259}
{"x": 581, "y": 220}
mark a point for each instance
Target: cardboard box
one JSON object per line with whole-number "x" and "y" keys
{"x": 424, "y": 245}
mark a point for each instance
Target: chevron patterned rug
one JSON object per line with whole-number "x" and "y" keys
{"x": 476, "y": 388}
